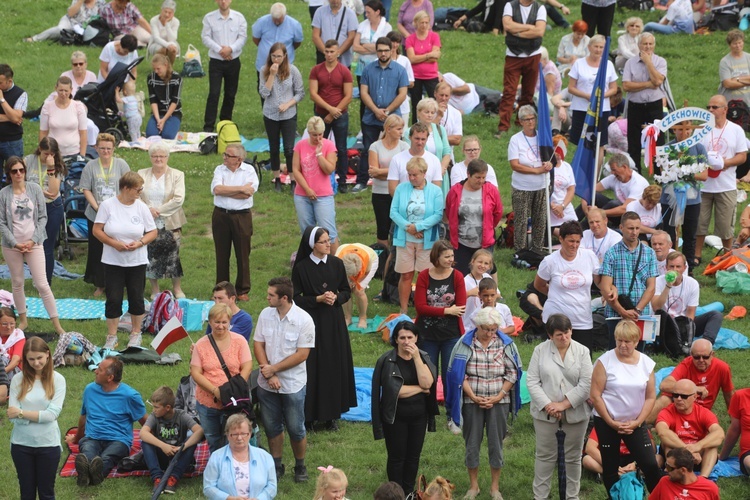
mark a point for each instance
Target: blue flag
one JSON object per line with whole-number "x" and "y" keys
{"x": 584, "y": 161}
{"x": 544, "y": 126}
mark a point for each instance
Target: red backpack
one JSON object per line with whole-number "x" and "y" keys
{"x": 163, "y": 308}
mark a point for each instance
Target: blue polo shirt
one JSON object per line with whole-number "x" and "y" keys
{"x": 383, "y": 85}
{"x": 289, "y": 32}
{"x": 110, "y": 415}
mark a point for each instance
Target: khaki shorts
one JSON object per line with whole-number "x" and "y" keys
{"x": 412, "y": 257}
{"x": 724, "y": 208}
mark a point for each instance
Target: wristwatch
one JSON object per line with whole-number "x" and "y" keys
{"x": 639, "y": 311}
{"x": 3, "y": 100}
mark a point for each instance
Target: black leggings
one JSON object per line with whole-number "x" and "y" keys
{"x": 282, "y": 129}
{"x": 420, "y": 88}
{"x": 599, "y": 19}
{"x": 381, "y": 205}
{"x": 403, "y": 440}
{"x": 640, "y": 447}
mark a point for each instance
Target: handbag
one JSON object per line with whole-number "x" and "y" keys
{"x": 234, "y": 394}
{"x": 625, "y": 300}
{"x": 419, "y": 493}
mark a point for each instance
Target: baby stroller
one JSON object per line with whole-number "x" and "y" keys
{"x": 74, "y": 223}
{"x": 101, "y": 102}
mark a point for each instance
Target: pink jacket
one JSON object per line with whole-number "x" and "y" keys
{"x": 492, "y": 207}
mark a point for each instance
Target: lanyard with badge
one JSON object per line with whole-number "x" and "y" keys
{"x": 107, "y": 192}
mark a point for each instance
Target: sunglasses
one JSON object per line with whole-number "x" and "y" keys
{"x": 17, "y": 171}
{"x": 711, "y": 108}
{"x": 669, "y": 468}
{"x": 699, "y": 357}
{"x": 676, "y": 395}
{"x": 78, "y": 64}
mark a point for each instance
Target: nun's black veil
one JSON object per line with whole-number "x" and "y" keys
{"x": 305, "y": 248}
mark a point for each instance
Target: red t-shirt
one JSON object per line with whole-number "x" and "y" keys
{"x": 717, "y": 377}
{"x": 17, "y": 350}
{"x": 689, "y": 428}
{"x": 739, "y": 408}
{"x": 623, "y": 448}
{"x": 702, "y": 489}
{"x": 330, "y": 84}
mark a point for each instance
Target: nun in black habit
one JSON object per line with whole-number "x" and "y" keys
{"x": 321, "y": 288}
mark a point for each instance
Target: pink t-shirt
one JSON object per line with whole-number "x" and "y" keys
{"x": 23, "y": 217}
{"x": 64, "y": 125}
{"x": 205, "y": 357}
{"x": 89, "y": 78}
{"x": 318, "y": 181}
{"x": 424, "y": 70}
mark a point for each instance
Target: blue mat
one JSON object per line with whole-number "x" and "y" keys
{"x": 731, "y": 339}
{"x": 726, "y": 468}
{"x": 363, "y": 381}
{"x": 661, "y": 375}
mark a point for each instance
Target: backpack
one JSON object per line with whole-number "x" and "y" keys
{"x": 208, "y": 145}
{"x": 163, "y": 308}
{"x": 382, "y": 253}
{"x": 70, "y": 37}
{"x": 192, "y": 69}
{"x": 227, "y": 133}
{"x": 529, "y": 256}
{"x": 675, "y": 335}
{"x": 508, "y": 232}
{"x": 96, "y": 33}
{"x": 738, "y": 112}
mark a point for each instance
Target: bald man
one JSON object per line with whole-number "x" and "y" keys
{"x": 709, "y": 373}
{"x": 726, "y": 147}
{"x": 684, "y": 424}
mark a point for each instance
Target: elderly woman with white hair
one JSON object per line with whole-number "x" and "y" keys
{"x": 552, "y": 78}
{"x": 528, "y": 182}
{"x": 438, "y": 142}
{"x": 313, "y": 162}
{"x": 481, "y": 389}
{"x": 164, "y": 28}
{"x": 164, "y": 194}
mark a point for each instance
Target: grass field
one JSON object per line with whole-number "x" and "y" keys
{"x": 693, "y": 72}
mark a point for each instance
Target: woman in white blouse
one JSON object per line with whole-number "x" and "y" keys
{"x": 627, "y": 43}
{"x": 164, "y": 28}
{"x": 572, "y": 47}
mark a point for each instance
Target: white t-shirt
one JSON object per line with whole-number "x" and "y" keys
{"x": 680, "y": 11}
{"x": 625, "y": 388}
{"x": 541, "y": 15}
{"x": 585, "y": 77}
{"x": 464, "y": 103}
{"x": 505, "y": 314}
{"x": 126, "y": 223}
{"x": 649, "y": 218}
{"x": 110, "y": 56}
{"x": 282, "y": 338}
{"x": 525, "y": 150}
{"x": 687, "y": 294}
{"x": 472, "y": 303}
{"x": 453, "y": 123}
{"x": 570, "y": 286}
{"x": 397, "y": 169}
{"x": 404, "y": 61}
{"x": 600, "y": 245}
{"x": 564, "y": 178}
{"x": 631, "y": 190}
{"x": 727, "y": 141}
{"x": 661, "y": 265}
{"x": 458, "y": 173}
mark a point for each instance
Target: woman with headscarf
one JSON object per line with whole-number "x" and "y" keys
{"x": 321, "y": 288}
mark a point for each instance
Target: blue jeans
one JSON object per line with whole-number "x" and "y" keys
{"x": 283, "y": 409}
{"x": 10, "y": 148}
{"x": 210, "y": 419}
{"x": 320, "y": 212}
{"x": 442, "y": 348}
{"x": 111, "y": 452}
{"x": 340, "y": 127}
{"x": 55, "y": 215}
{"x": 168, "y": 131}
{"x": 36, "y": 469}
{"x": 658, "y": 28}
{"x": 158, "y": 462}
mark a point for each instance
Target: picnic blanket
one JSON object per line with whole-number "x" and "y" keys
{"x": 726, "y": 468}
{"x": 58, "y": 271}
{"x": 363, "y": 382}
{"x": 69, "y": 469}
{"x": 372, "y": 324}
{"x": 185, "y": 142}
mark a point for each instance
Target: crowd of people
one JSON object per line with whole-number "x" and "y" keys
{"x": 440, "y": 217}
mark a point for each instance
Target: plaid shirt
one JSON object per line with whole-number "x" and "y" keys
{"x": 120, "y": 24}
{"x": 487, "y": 369}
{"x": 619, "y": 263}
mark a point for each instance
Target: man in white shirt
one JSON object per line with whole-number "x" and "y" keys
{"x": 599, "y": 237}
{"x": 627, "y": 185}
{"x": 727, "y": 148}
{"x": 661, "y": 243}
{"x": 464, "y": 96}
{"x": 283, "y": 339}
{"x": 418, "y": 134}
{"x": 682, "y": 297}
{"x": 397, "y": 39}
{"x": 448, "y": 116}
{"x": 233, "y": 186}
{"x": 224, "y": 34}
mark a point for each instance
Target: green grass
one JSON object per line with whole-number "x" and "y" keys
{"x": 693, "y": 71}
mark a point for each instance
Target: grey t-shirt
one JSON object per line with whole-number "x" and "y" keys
{"x": 171, "y": 431}
{"x": 380, "y": 186}
{"x": 470, "y": 219}
{"x": 102, "y": 184}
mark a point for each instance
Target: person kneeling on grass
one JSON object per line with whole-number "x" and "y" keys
{"x": 164, "y": 434}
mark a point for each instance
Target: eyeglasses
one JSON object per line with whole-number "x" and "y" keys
{"x": 711, "y": 108}
{"x": 227, "y": 155}
{"x": 239, "y": 435}
{"x": 158, "y": 157}
{"x": 676, "y": 395}
{"x": 8, "y": 325}
{"x": 17, "y": 171}
{"x": 472, "y": 150}
{"x": 383, "y": 51}
{"x": 138, "y": 190}
{"x": 78, "y": 64}
{"x": 529, "y": 119}
{"x": 703, "y": 357}
{"x": 323, "y": 242}
{"x": 277, "y": 56}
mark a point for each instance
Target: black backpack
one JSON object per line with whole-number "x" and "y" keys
{"x": 70, "y": 37}
{"x": 96, "y": 33}
{"x": 738, "y": 112}
{"x": 383, "y": 253}
{"x": 675, "y": 335}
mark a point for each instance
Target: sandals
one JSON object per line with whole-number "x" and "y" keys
{"x": 471, "y": 495}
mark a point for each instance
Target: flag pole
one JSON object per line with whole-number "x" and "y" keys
{"x": 596, "y": 166}
{"x": 549, "y": 212}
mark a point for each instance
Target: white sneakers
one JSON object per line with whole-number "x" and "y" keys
{"x": 111, "y": 342}
{"x": 135, "y": 340}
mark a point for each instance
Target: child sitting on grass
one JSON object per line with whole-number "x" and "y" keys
{"x": 165, "y": 431}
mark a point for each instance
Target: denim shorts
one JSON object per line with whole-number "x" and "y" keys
{"x": 320, "y": 212}
{"x": 279, "y": 409}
